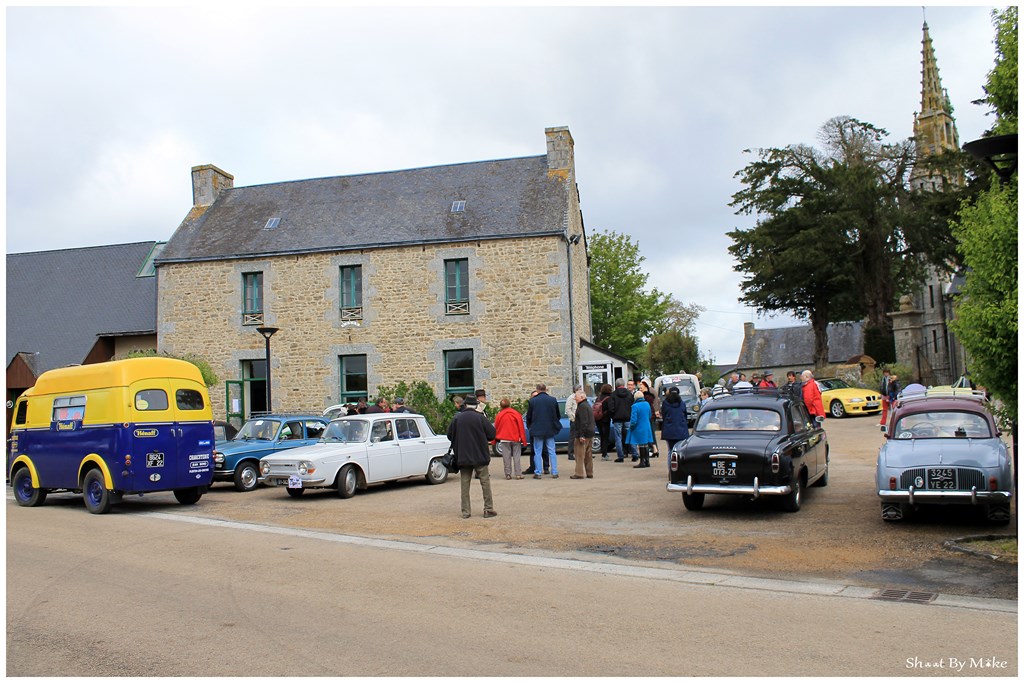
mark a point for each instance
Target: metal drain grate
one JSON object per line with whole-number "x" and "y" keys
{"x": 896, "y": 595}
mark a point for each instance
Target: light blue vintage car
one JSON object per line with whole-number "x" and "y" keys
{"x": 943, "y": 447}
{"x": 238, "y": 460}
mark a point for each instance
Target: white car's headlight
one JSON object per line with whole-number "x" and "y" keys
{"x": 265, "y": 467}
{"x": 306, "y": 467}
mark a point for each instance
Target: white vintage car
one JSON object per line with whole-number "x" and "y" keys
{"x": 359, "y": 450}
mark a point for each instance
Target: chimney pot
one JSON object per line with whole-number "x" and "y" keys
{"x": 208, "y": 182}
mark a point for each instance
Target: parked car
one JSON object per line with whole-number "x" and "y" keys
{"x": 689, "y": 391}
{"x": 358, "y": 450}
{"x": 562, "y": 438}
{"x": 753, "y": 442}
{"x": 238, "y": 460}
{"x": 943, "y": 447}
{"x": 840, "y": 399}
{"x": 335, "y": 411}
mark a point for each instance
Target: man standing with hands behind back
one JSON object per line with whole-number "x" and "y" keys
{"x": 471, "y": 433}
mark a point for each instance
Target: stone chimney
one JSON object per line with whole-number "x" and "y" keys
{"x": 748, "y": 330}
{"x": 560, "y": 152}
{"x": 207, "y": 182}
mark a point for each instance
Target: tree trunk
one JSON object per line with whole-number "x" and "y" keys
{"x": 819, "y": 323}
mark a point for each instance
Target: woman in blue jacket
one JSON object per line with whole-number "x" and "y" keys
{"x": 673, "y": 418}
{"x": 640, "y": 432}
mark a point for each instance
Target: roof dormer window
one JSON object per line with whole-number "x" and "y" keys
{"x": 459, "y": 206}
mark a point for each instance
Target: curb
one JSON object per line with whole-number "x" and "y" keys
{"x": 955, "y": 545}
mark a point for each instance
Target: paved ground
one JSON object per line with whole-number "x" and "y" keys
{"x": 626, "y": 515}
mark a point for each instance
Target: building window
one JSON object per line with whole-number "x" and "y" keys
{"x": 931, "y": 296}
{"x": 351, "y": 293}
{"x": 935, "y": 341}
{"x": 252, "y": 298}
{"x": 353, "y": 378}
{"x": 458, "y": 371}
{"x": 456, "y": 293}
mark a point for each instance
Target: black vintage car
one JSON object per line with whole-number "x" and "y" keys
{"x": 753, "y": 442}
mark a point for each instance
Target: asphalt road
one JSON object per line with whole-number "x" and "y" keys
{"x": 163, "y": 594}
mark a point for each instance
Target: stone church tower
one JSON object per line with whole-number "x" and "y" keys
{"x": 923, "y": 339}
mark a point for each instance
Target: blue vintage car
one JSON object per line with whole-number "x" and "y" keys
{"x": 942, "y": 447}
{"x": 238, "y": 460}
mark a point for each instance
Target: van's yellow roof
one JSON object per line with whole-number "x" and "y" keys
{"x": 117, "y": 373}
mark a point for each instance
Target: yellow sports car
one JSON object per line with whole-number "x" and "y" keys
{"x": 840, "y": 399}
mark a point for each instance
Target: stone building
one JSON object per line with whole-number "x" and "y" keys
{"x": 781, "y": 349}
{"x": 925, "y": 342}
{"x": 467, "y": 275}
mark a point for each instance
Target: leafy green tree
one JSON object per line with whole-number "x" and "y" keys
{"x": 986, "y": 313}
{"x": 1001, "y": 87}
{"x": 839, "y": 233}
{"x": 624, "y": 314}
{"x": 670, "y": 352}
{"x": 205, "y": 369}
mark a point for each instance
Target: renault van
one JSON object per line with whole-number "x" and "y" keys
{"x": 107, "y": 430}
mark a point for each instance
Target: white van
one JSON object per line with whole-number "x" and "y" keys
{"x": 689, "y": 391}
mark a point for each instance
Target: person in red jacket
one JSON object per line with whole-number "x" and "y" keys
{"x": 812, "y": 395}
{"x": 511, "y": 437}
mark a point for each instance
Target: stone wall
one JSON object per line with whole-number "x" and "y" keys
{"x": 518, "y": 325}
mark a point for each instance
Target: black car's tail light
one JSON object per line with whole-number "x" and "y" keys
{"x": 775, "y": 463}
{"x": 673, "y": 461}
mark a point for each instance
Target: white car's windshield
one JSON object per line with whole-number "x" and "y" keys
{"x": 345, "y": 431}
{"x": 945, "y": 424}
{"x": 739, "y": 419}
{"x": 686, "y": 390}
{"x": 258, "y": 429}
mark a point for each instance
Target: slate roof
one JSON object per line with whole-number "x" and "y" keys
{"x": 504, "y": 198}
{"x": 60, "y": 302}
{"x": 794, "y": 346}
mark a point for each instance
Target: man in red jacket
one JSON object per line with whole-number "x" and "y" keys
{"x": 812, "y": 395}
{"x": 511, "y": 437}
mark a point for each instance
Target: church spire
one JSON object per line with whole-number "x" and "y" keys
{"x": 934, "y": 127}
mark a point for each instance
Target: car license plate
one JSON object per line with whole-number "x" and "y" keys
{"x": 154, "y": 459}
{"x": 294, "y": 482}
{"x": 723, "y": 469}
{"x": 941, "y": 478}
{"x": 872, "y": 404}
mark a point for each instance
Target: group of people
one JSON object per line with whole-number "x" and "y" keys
{"x": 381, "y": 405}
{"x": 808, "y": 387}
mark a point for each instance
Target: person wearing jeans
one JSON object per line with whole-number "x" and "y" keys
{"x": 544, "y": 422}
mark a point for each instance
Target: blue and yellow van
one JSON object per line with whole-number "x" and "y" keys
{"x": 106, "y": 430}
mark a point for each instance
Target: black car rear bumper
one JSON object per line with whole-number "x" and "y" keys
{"x": 754, "y": 490}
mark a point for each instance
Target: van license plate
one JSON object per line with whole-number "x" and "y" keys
{"x": 154, "y": 459}
{"x": 294, "y": 482}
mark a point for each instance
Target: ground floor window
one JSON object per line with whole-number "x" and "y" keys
{"x": 458, "y": 371}
{"x": 353, "y": 378}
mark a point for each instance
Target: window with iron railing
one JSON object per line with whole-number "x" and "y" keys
{"x": 252, "y": 298}
{"x": 351, "y": 293}
{"x": 456, "y": 277}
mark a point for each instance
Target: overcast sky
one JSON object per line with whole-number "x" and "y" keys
{"x": 109, "y": 108}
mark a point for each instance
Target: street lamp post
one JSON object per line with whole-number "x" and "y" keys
{"x": 267, "y": 333}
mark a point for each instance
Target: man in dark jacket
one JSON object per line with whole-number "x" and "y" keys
{"x": 470, "y": 433}
{"x": 581, "y": 436}
{"x": 544, "y": 423}
{"x": 620, "y": 406}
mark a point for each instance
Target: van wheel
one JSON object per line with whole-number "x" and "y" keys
{"x": 246, "y": 476}
{"x": 95, "y": 494}
{"x": 25, "y": 494}
{"x": 189, "y": 496}
{"x": 348, "y": 481}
